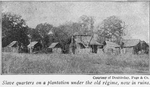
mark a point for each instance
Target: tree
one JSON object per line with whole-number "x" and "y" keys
{"x": 112, "y": 28}
{"x": 87, "y": 24}
{"x": 34, "y": 35}
{"x": 43, "y": 30}
{"x": 14, "y": 28}
{"x": 63, "y": 34}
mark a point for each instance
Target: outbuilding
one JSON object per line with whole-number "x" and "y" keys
{"x": 112, "y": 48}
{"x": 55, "y": 47}
{"x": 12, "y": 47}
{"x": 130, "y": 45}
{"x": 34, "y": 46}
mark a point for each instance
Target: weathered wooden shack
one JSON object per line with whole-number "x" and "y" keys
{"x": 34, "y": 46}
{"x": 81, "y": 48}
{"x": 81, "y": 43}
{"x": 12, "y": 47}
{"x": 55, "y": 47}
{"x": 94, "y": 45}
{"x": 129, "y": 45}
{"x": 86, "y": 44}
{"x": 112, "y": 48}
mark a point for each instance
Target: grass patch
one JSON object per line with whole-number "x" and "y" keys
{"x": 14, "y": 63}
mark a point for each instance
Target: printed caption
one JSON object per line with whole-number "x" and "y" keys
{"x": 95, "y": 80}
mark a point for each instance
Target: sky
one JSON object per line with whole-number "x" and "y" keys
{"x": 134, "y": 14}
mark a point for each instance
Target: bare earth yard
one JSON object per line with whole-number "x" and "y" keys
{"x": 14, "y": 63}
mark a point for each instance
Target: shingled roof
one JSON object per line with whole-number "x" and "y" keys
{"x": 12, "y": 44}
{"x": 131, "y": 42}
{"x": 32, "y": 44}
{"x": 84, "y": 39}
{"x": 94, "y": 42}
{"x": 82, "y": 45}
{"x": 87, "y": 39}
{"x": 53, "y": 45}
{"x": 111, "y": 44}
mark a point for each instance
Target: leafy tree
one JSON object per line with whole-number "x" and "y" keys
{"x": 43, "y": 31}
{"x": 112, "y": 28}
{"x": 34, "y": 35}
{"x": 87, "y": 24}
{"x": 14, "y": 28}
{"x": 63, "y": 32}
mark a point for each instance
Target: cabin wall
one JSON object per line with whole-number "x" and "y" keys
{"x": 117, "y": 51}
{"x": 83, "y": 50}
{"x": 128, "y": 50}
{"x": 10, "y": 49}
{"x": 99, "y": 51}
{"x": 56, "y": 50}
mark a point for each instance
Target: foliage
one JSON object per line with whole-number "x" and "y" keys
{"x": 87, "y": 24}
{"x": 34, "y": 35}
{"x": 112, "y": 28}
{"x": 14, "y": 28}
{"x": 43, "y": 31}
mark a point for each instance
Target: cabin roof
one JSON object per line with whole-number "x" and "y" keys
{"x": 12, "y": 44}
{"x": 87, "y": 39}
{"x": 112, "y": 44}
{"x": 94, "y": 42}
{"x": 83, "y": 39}
{"x": 82, "y": 45}
{"x": 131, "y": 42}
{"x": 53, "y": 45}
{"x": 32, "y": 44}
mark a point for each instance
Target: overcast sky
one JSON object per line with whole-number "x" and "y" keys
{"x": 134, "y": 14}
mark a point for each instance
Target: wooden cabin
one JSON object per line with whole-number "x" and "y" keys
{"x": 81, "y": 48}
{"x": 129, "y": 45}
{"x": 80, "y": 43}
{"x": 55, "y": 47}
{"x": 94, "y": 45}
{"x": 34, "y": 46}
{"x": 12, "y": 47}
{"x": 112, "y": 48}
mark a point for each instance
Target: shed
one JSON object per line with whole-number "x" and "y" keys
{"x": 94, "y": 45}
{"x": 112, "y": 44}
{"x": 85, "y": 39}
{"x": 13, "y": 44}
{"x": 129, "y": 45}
{"x": 34, "y": 46}
{"x": 94, "y": 42}
{"x": 87, "y": 42}
{"x": 112, "y": 47}
{"x": 12, "y": 47}
{"x": 80, "y": 44}
{"x": 55, "y": 47}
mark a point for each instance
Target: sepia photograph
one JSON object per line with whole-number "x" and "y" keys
{"x": 75, "y": 38}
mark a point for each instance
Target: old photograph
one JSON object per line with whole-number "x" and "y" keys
{"x": 75, "y": 38}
